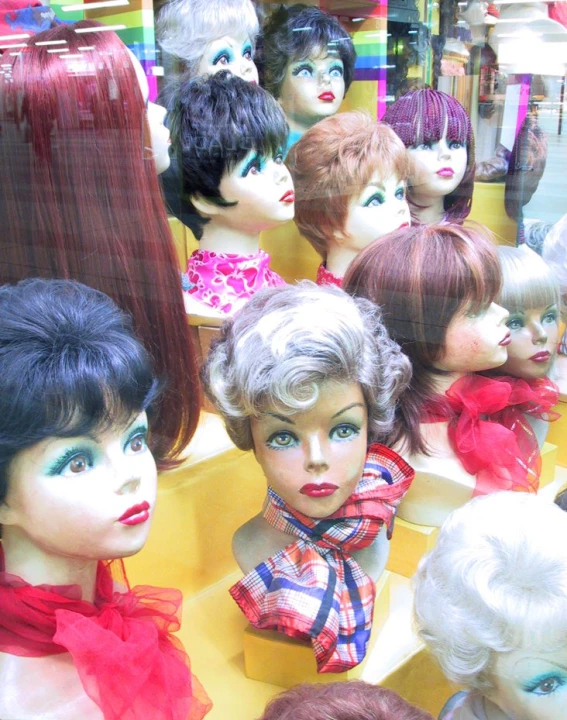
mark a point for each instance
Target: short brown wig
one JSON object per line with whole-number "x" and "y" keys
{"x": 353, "y": 700}
{"x": 332, "y": 163}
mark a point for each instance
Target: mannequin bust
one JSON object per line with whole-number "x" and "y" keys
{"x": 77, "y": 493}
{"x": 309, "y": 64}
{"x": 228, "y": 183}
{"x": 439, "y": 305}
{"x": 80, "y": 199}
{"x": 438, "y": 134}
{"x": 350, "y": 175}
{"x": 307, "y": 378}
{"x": 490, "y": 603}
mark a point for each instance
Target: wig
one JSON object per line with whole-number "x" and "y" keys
{"x": 422, "y": 277}
{"x": 277, "y": 351}
{"x": 352, "y": 700}
{"x": 555, "y": 254}
{"x": 215, "y": 123}
{"x": 420, "y": 117}
{"x": 332, "y": 163}
{"x": 527, "y": 281}
{"x": 184, "y": 28}
{"x": 69, "y": 364}
{"x": 80, "y": 199}
{"x": 495, "y": 582}
{"x": 298, "y": 32}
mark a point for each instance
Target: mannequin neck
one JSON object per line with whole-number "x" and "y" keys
{"x": 219, "y": 238}
{"x": 36, "y": 566}
{"x": 427, "y": 210}
{"x": 339, "y": 258}
{"x": 493, "y": 712}
{"x": 296, "y": 125}
{"x": 441, "y": 383}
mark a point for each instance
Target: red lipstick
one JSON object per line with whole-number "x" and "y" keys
{"x": 541, "y": 357}
{"x": 507, "y": 340}
{"x": 403, "y": 225}
{"x": 136, "y": 514}
{"x": 446, "y": 172}
{"x": 288, "y": 197}
{"x": 327, "y": 96}
{"x": 318, "y": 491}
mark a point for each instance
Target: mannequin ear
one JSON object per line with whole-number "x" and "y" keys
{"x": 205, "y": 207}
{"x": 6, "y": 514}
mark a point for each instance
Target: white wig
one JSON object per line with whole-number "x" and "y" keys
{"x": 495, "y": 582}
{"x": 527, "y": 281}
{"x": 184, "y": 28}
{"x": 555, "y": 254}
{"x": 276, "y": 352}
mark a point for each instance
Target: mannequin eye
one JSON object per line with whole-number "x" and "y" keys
{"x": 223, "y": 58}
{"x": 303, "y": 71}
{"x": 281, "y": 440}
{"x": 514, "y": 323}
{"x": 456, "y": 145}
{"x": 137, "y": 441}
{"x": 423, "y": 146}
{"x": 253, "y": 167}
{"x": 344, "y": 432}
{"x": 401, "y": 193}
{"x": 73, "y": 462}
{"x": 336, "y": 71}
{"x": 550, "y": 317}
{"x": 247, "y": 52}
{"x": 546, "y": 685}
{"x": 279, "y": 159}
{"x": 375, "y": 200}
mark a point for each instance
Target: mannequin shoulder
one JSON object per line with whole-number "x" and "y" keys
{"x": 256, "y": 541}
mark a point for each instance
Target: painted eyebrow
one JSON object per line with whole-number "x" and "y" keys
{"x": 285, "y": 419}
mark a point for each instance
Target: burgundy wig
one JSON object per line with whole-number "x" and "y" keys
{"x": 80, "y": 199}
{"x": 419, "y": 117}
{"x": 422, "y": 277}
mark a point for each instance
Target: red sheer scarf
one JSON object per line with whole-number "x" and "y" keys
{"x": 128, "y": 661}
{"x": 488, "y": 430}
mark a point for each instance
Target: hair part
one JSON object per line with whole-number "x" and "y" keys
{"x": 351, "y": 700}
{"x": 420, "y": 116}
{"x": 495, "y": 582}
{"x": 446, "y": 270}
{"x": 527, "y": 281}
{"x": 295, "y": 33}
{"x": 215, "y": 123}
{"x": 331, "y": 165}
{"x": 277, "y": 351}
{"x": 69, "y": 363}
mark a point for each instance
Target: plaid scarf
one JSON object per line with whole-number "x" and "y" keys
{"x": 313, "y": 589}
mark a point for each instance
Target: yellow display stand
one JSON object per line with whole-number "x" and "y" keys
{"x": 291, "y": 255}
{"x": 558, "y": 433}
{"x": 408, "y": 545}
{"x": 276, "y": 659}
{"x": 488, "y": 209}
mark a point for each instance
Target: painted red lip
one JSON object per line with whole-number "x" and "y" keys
{"x": 541, "y": 356}
{"x": 317, "y": 491}
{"x": 507, "y": 340}
{"x": 288, "y": 197}
{"x": 136, "y": 514}
{"x": 403, "y": 225}
{"x": 327, "y": 96}
{"x": 446, "y": 172}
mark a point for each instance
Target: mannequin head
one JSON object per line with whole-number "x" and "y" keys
{"x": 79, "y": 198}
{"x": 75, "y": 387}
{"x": 349, "y": 174}
{"x": 309, "y": 63}
{"x": 306, "y": 377}
{"x": 438, "y": 305}
{"x": 210, "y": 35}
{"x": 530, "y": 293}
{"x": 491, "y": 600}
{"x": 228, "y": 138}
{"x": 555, "y": 255}
{"x": 341, "y": 701}
{"x": 438, "y": 134}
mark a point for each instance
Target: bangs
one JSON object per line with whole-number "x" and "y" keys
{"x": 318, "y": 34}
{"x": 528, "y": 282}
{"x": 477, "y": 278}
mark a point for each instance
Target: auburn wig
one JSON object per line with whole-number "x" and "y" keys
{"x": 80, "y": 199}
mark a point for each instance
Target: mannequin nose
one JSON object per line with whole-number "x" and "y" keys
{"x": 501, "y": 312}
{"x": 281, "y": 173}
{"x": 128, "y": 485}
{"x": 539, "y": 336}
{"x": 443, "y": 150}
{"x": 315, "y": 461}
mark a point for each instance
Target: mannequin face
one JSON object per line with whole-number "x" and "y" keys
{"x": 379, "y": 209}
{"x": 312, "y": 89}
{"x": 531, "y": 685}
{"x": 476, "y": 342}
{"x": 230, "y": 52}
{"x": 66, "y": 496}
{"x": 535, "y": 334}
{"x": 314, "y": 459}
{"x": 159, "y": 134}
{"x": 263, "y": 189}
{"x": 437, "y": 168}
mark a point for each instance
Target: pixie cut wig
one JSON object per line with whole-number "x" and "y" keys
{"x": 495, "y": 582}
{"x": 277, "y": 351}
{"x": 297, "y": 32}
{"x": 69, "y": 364}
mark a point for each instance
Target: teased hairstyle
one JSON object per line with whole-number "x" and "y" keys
{"x": 80, "y": 199}
{"x": 215, "y": 123}
{"x": 296, "y": 32}
{"x": 527, "y": 281}
{"x": 352, "y": 700}
{"x": 420, "y": 116}
{"x": 286, "y": 341}
{"x": 69, "y": 363}
{"x": 422, "y": 277}
{"x": 184, "y": 28}
{"x": 332, "y": 163}
{"x": 495, "y": 582}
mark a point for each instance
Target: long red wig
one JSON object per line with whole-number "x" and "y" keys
{"x": 80, "y": 199}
